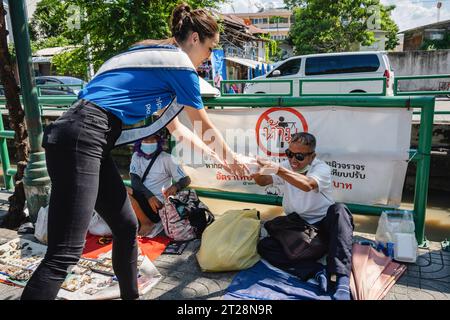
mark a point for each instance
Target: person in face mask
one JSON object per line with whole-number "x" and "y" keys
{"x": 307, "y": 192}
{"x": 147, "y": 196}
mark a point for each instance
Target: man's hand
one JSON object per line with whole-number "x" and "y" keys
{"x": 267, "y": 167}
{"x": 155, "y": 204}
{"x": 171, "y": 191}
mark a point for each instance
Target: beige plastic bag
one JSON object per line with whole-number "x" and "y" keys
{"x": 230, "y": 242}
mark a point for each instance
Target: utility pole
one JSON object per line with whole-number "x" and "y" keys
{"x": 36, "y": 180}
{"x": 439, "y": 6}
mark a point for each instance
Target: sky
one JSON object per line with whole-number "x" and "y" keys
{"x": 408, "y": 13}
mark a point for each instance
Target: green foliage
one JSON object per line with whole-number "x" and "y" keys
{"x": 112, "y": 26}
{"x": 51, "y": 42}
{"x": 12, "y": 52}
{"x": 49, "y": 19}
{"x": 437, "y": 44}
{"x": 334, "y": 26}
{"x": 272, "y": 50}
{"x": 71, "y": 62}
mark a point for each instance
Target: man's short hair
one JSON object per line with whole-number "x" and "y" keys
{"x": 304, "y": 138}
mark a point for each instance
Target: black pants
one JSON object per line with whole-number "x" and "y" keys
{"x": 84, "y": 177}
{"x": 336, "y": 229}
{"x": 145, "y": 206}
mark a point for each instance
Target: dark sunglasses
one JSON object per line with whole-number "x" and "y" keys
{"x": 299, "y": 156}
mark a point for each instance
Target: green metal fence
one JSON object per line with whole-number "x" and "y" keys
{"x": 421, "y": 156}
{"x": 224, "y": 83}
{"x": 422, "y": 77}
{"x": 382, "y": 93}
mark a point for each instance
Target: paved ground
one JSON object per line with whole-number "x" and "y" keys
{"x": 428, "y": 279}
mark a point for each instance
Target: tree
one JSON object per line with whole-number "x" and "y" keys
{"x": 49, "y": 19}
{"x": 323, "y": 26}
{"x": 112, "y": 27}
{"x": 15, "y": 216}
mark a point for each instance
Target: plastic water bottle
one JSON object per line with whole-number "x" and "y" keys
{"x": 390, "y": 250}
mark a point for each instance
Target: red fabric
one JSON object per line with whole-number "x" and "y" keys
{"x": 152, "y": 248}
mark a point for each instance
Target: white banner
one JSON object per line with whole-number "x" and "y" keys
{"x": 366, "y": 148}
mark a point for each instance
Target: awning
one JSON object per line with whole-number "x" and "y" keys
{"x": 41, "y": 59}
{"x": 245, "y": 62}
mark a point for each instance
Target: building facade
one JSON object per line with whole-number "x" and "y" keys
{"x": 415, "y": 38}
{"x": 276, "y": 22}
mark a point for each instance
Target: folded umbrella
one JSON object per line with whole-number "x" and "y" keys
{"x": 373, "y": 274}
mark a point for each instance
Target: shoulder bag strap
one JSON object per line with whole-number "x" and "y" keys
{"x": 150, "y": 165}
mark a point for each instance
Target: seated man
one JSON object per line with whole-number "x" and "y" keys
{"x": 307, "y": 186}
{"x": 147, "y": 194}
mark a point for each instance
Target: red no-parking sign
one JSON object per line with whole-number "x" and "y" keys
{"x": 275, "y": 127}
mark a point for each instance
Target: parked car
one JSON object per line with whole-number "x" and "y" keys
{"x": 345, "y": 65}
{"x": 74, "y": 87}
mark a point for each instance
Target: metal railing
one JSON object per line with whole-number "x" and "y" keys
{"x": 224, "y": 83}
{"x": 382, "y": 93}
{"x": 421, "y": 156}
{"x": 418, "y": 92}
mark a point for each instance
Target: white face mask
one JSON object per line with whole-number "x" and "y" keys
{"x": 303, "y": 170}
{"x": 149, "y": 148}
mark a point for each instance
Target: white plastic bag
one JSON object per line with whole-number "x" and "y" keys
{"x": 98, "y": 226}
{"x": 395, "y": 232}
{"x": 40, "y": 228}
{"x": 392, "y": 222}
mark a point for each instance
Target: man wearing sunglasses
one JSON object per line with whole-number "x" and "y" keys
{"x": 306, "y": 182}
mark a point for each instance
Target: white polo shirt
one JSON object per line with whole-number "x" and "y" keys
{"x": 161, "y": 173}
{"x": 311, "y": 206}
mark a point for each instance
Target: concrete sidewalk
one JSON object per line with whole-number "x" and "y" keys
{"x": 428, "y": 279}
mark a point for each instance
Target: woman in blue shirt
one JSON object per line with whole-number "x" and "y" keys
{"x": 151, "y": 76}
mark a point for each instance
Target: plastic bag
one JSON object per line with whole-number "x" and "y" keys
{"x": 98, "y": 226}
{"x": 40, "y": 228}
{"x": 395, "y": 235}
{"x": 230, "y": 242}
{"x": 392, "y": 222}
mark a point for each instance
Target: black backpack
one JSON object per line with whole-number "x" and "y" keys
{"x": 190, "y": 207}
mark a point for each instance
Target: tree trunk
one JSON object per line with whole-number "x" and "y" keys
{"x": 16, "y": 117}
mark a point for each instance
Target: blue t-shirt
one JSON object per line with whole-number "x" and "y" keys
{"x": 143, "y": 80}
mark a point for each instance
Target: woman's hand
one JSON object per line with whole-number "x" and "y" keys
{"x": 171, "y": 191}
{"x": 236, "y": 166}
{"x": 155, "y": 204}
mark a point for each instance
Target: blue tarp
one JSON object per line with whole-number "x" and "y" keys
{"x": 265, "y": 282}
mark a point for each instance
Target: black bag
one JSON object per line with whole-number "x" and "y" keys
{"x": 299, "y": 240}
{"x": 189, "y": 206}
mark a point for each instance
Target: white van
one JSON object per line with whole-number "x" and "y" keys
{"x": 339, "y": 66}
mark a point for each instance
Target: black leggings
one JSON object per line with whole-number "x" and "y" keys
{"x": 84, "y": 177}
